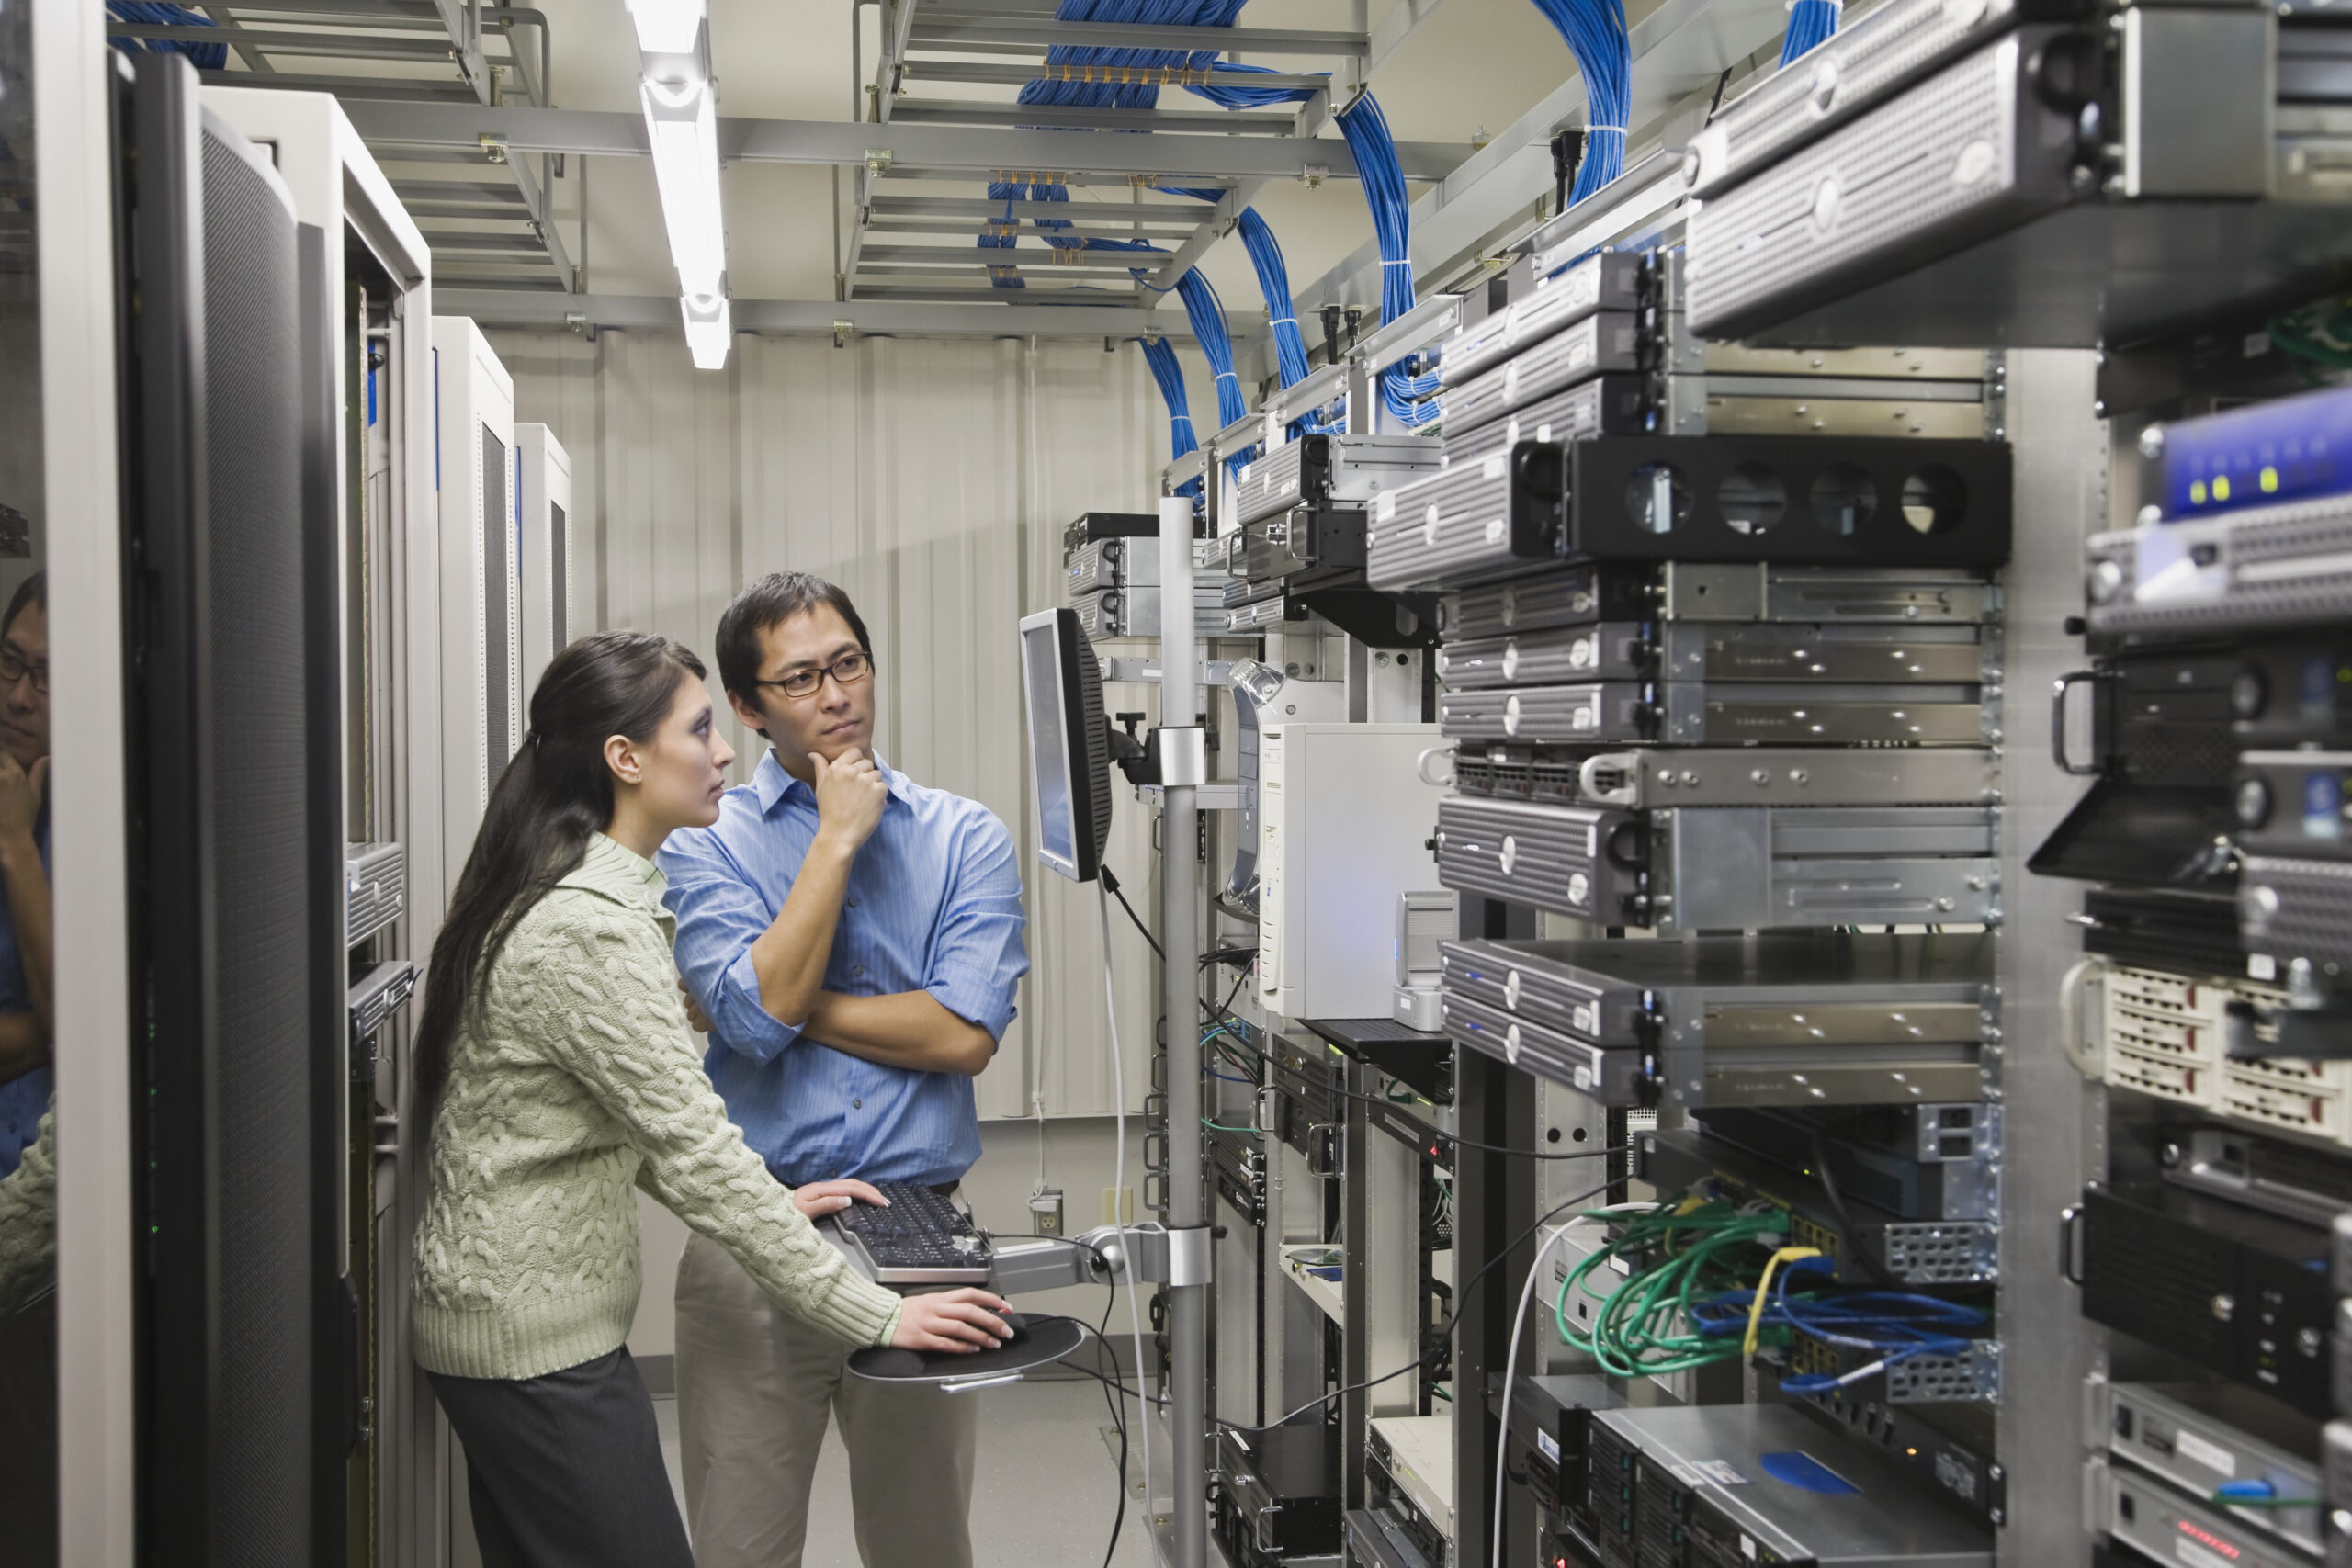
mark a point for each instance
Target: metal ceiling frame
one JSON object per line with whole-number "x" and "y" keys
{"x": 450, "y": 34}
{"x": 922, "y": 44}
{"x": 968, "y": 313}
{"x": 1062, "y": 157}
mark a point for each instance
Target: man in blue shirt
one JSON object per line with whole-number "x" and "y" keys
{"x": 852, "y": 940}
{"x": 26, "y": 1014}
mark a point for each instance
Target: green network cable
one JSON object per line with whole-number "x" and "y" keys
{"x": 1706, "y": 1249}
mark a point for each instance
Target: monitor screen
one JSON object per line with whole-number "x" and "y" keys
{"x": 1069, "y": 754}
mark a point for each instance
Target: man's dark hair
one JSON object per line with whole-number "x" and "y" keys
{"x": 772, "y": 600}
{"x": 34, "y": 590}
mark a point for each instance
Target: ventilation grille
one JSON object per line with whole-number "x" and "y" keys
{"x": 251, "y": 780}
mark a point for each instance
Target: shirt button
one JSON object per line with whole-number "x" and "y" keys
{"x": 857, "y": 972}
{"x": 857, "y": 1105}
{"x": 853, "y": 903}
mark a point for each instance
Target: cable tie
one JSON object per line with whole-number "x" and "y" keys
{"x": 1284, "y": 321}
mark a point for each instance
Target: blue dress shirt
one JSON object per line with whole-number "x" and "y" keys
{"x": 22, "y": 1099}
{"x": 932, "y": 904}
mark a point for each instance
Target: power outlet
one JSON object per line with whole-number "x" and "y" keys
{"x": 1045, "y": 1212}
{"x": 1118, "y": 1205}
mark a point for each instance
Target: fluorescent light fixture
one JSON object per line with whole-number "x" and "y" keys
{"x": 710, "y": 329}
{"x": 682, "y": 128}
{"x": 666, "y": 26}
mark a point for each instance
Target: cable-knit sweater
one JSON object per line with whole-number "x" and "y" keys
{"x": 579, "y": 1080}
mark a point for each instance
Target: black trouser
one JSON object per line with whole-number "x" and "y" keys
{"x": 565, "y": 1471}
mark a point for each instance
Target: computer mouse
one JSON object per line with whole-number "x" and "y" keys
{"x": 1020, "y": 1326}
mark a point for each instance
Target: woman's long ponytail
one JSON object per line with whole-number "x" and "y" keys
{"x": 549, "y": 801}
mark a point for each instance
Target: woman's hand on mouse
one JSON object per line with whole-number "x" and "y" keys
{"x": 953, "y": 1320}
{"x": 819, "y": 1199}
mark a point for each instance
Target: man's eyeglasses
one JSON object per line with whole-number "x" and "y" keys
{"x": 846, "y": 671}
{"x": 14, "y": 669}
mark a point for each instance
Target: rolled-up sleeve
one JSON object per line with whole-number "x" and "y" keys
{"x": 719, "y": 917}
{"x": 980, "y": 954}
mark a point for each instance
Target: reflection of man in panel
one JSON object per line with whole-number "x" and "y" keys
{"x": 27, "y": 1010}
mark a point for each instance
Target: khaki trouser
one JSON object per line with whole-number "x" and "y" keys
{"x": 756, "y": 1389}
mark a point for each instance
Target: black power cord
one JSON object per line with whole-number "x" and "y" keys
{"x": 1443, "y": 1335}
{"x": 1852, "y": 1239}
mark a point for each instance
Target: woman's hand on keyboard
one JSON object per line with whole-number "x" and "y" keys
{"x": 952, "y": 1320}
{"x": 819, "y": 1199}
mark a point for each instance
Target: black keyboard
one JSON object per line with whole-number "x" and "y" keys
{"x": 920, "y": 1239}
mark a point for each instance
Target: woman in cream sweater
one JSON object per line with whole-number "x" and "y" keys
{"x": 554, "y": 1062}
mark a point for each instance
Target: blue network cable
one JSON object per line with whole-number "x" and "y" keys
{"x": 1273, "y": 279}
{"x": 1891, "y": 1326}
{"x": 1595, "y": 31}
{"x": 1383, "y": 178}
{"x": 1812, "y": 23}
{"x": 203, "y": 56}
{"x": 1166, "y": 369}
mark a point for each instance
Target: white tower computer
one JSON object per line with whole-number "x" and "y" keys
{"x": 481, "y": 590}
{"x": 545, "y": 558}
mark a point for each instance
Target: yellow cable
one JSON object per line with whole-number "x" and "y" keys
{"x": 1756, "y": 1309}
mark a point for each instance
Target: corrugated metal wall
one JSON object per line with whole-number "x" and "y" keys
{"x": 932, "y": 480}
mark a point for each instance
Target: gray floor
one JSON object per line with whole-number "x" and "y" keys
{"x": 1044, "y": 1495}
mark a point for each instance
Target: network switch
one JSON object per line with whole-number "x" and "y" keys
{"x": 1738, "y": 1021}
{"x": 1951, "y": 1445}
{"x": 1609, "y": 281}
{"x": 1635, "y": 780}
{"x": 2284, "y": 449}
{"x": 1726, "y": 868}
{"x": 1918, "y": 1162}
{"x": 1933, "y": 1253}
{"x": 1701, "y": 712}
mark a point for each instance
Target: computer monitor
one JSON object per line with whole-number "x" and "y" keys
{"x": 1068, "y": 742}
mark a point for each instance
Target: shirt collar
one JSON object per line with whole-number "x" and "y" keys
{"x": 772, "y": 783}
{"x": 618, "y": 873}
